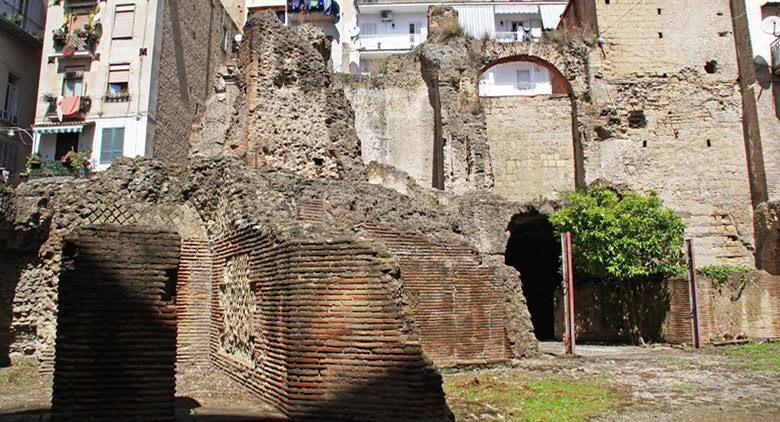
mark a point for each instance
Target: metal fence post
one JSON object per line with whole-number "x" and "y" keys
{"x": 693, "y": 294}
{"x": 568, "y": 295}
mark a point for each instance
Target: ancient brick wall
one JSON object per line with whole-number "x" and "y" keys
{"x": 325, "y": 333}
{"x": 190, "y": 56}
{"x": 116, "y": 334}
{"x": 661, "y": 310}
{"x": 457, "y": 302}
{"x": 193, "y": 293}
{"x": 531, "y": 146}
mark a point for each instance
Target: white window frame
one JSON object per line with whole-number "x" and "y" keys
{"x": 103, "y": 151}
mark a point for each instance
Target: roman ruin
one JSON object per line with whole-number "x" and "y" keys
{"x": 332, "y": 241}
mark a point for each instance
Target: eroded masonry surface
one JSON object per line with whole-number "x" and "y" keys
{"x": 330, "y": 257}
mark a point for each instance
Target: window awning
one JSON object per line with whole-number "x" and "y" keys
{"x": 551, "y": 15}
{"x": 45, "y": 129}
{"x": 516, "y": 8}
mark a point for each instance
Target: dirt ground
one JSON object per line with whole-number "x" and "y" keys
{"x": 624, "y": 383}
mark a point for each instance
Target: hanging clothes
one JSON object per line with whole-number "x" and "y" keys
{"x": 314, "y": 5}
{"x": 326, "y": 6}
{"x": 306, "y": 5}
{"x": 334, "y": 11}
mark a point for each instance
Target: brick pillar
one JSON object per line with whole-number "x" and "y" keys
{"x": 115, "y": 352}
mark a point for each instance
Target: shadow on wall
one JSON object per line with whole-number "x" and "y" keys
{"x": 617, "y": 312}
{"x": 115, "y": 352}
{"x": 18, "y": 252}
{"x": 534, "y": 250}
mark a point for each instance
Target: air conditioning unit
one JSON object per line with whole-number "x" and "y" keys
{"x": 386, "y": 15}
{"x": 74, "y": 74}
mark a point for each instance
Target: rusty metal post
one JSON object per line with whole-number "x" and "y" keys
{"x": 693, "y": 294}
{"x": 568, "y": 295}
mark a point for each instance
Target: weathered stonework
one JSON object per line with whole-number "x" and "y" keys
{"x": 289, "y": 116}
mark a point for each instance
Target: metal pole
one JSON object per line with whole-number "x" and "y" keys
{"x": 568, "y": 295}
{"x": 693, "y": 294}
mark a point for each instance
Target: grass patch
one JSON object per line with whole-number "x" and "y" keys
{"x": 760, "y": 356}
{"x": 523, "y": 399}
{"x": 21, "y": 377}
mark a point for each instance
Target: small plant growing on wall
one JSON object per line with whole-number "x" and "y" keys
{"x": 621, "y": 236}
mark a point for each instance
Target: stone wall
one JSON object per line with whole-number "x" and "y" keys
{"x": 289, "y": 116}
{"x": 328, "y": 336}
{"x": 190, "y": 57}
{"x": 531, "y": 146}
{"x": 116, "y": 337}
{"x": 670, "y": 122}
{"x": 394, "y": 117}
{"x": 660, "y": 310}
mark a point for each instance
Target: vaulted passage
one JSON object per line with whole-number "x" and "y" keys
{"x": 534, "y": 250}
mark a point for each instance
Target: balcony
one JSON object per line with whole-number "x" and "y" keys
{"x": 26, "y": 17}
{"x": 389, "y": 42}
{"x": 518, "y": 36}
{"x": 71, "y": 108}
{"x": 77, "y": 38}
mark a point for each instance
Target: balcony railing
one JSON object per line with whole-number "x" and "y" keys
{"x": 14, "y": 12}
{"x": 389, "y": 42}
{"x": 9, "y": 116}
{"x": 85, "y": 104}
{"x": 517, "y": 36}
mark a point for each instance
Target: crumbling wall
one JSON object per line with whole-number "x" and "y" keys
{"x": 289, "y": 116}
{"x": 331, "y": 337}
{"x": 672, "y": 122}
{"x": 660, "y": 310}
{"x": 116, "y": 333}
{"x": 767, "y": 219}
{"x": 394, "y": 117}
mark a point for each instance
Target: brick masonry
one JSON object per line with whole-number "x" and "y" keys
{"x": 329, "y": 334}
{"x": 455, "y": 300}
{"x": 662, "y": 312}
{"x": 190, "y": 57}
{"x": 116, "y": 338}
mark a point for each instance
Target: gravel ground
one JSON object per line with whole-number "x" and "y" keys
{"x": 655, "y": 383}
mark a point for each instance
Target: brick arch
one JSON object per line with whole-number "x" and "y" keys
{"x": 560, "y": 85}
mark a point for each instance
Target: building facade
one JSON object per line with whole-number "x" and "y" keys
{"x": 21, "y": 29}
{"x": 124, "y": 78}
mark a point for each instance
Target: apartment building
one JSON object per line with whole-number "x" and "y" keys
{"x": 125, "y": 78}
{"x": 21, "y": 31}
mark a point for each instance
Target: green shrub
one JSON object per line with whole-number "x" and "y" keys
{"x": 621, "y": 236}
{"x": 719, "y": 274}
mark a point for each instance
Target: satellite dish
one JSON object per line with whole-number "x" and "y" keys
{"x": 771, "y": 25}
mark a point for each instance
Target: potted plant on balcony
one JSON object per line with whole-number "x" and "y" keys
{"x": 85, "y": 104}
{"x": 78, "y": 162}
{"x": 33, "y": 161}
{"x": 60, "y": 35}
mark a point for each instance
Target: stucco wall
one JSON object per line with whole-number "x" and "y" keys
{"x": 531, "y": 146}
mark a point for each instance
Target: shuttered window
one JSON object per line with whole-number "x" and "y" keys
{"x": 124, "y": 17}
{"x": 119, "y": 73}
{"x": 112, "y": 145}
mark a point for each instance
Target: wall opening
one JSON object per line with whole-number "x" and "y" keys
{"x": 534, "y": 250}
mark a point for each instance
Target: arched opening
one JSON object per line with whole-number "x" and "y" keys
{"x": 534, "y": 250}
{"x": 531, "y": 130}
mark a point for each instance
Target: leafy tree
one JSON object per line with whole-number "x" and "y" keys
{"x": 621, "y": 236}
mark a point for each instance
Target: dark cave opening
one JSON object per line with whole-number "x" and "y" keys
{"x": 534, "y": 250}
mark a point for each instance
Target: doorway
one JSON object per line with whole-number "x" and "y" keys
{"x": 534, "y": 250}
{"x": 65, "y": 143}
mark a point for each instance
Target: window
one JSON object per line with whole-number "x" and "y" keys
{"x": 225, "y": 38}
{"x": 112, "y": 144}
{"x": 124, "y": 18}
{"x": 10, "y": 111}
{"x": 118, "y": 78}
{"x": 368, "y": 28}
{"x": 73, "y": 84}
{"x": 524, "y": 80}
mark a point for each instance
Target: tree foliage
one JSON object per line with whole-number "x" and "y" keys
{"x": 621, "y": 236}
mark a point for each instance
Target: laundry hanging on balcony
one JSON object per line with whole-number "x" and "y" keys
{"x": 68, "y": 106}
{"x": 327, "y": 7}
